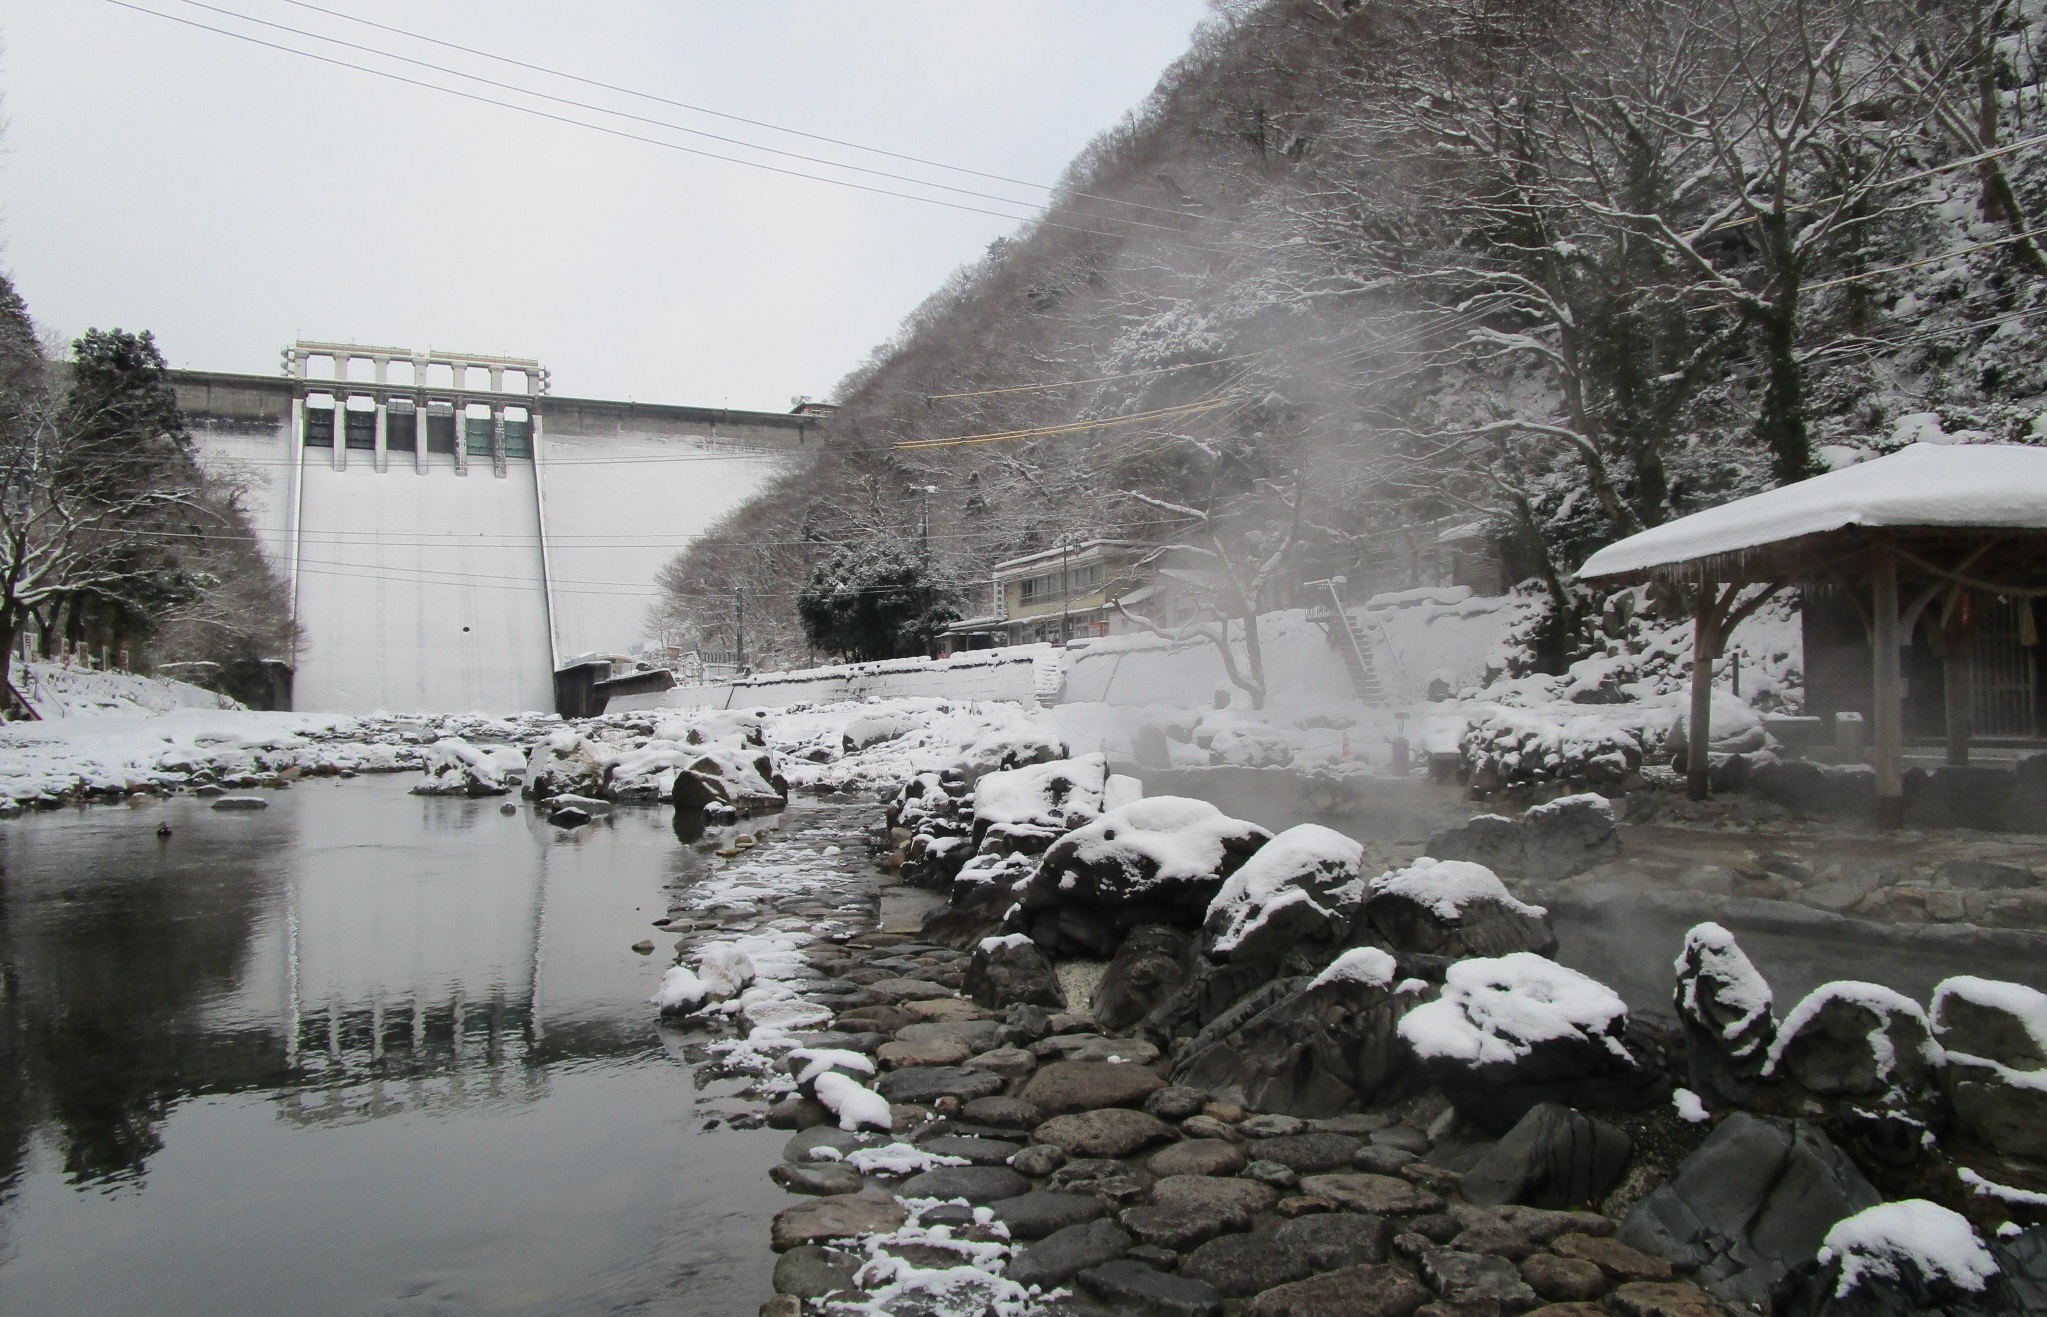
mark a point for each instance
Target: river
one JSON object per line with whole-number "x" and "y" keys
{"x": 361, "y": 1052}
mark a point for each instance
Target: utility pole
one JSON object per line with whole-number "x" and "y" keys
{"x": 924, "y": 521}
{"x": 739, "y": 628}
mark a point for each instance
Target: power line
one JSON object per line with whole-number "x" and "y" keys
{"x": 640, "y": 137}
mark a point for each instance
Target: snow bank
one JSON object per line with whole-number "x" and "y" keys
{"x": 1876, "y": 1244}
{"x": 60, "y": 690}
{"x": 1495, "y": 1010}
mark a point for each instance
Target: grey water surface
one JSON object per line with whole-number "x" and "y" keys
{"x": 358, "y": 1053}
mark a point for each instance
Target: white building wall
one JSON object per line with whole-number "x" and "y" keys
{"x": 619, "y": 506}
{"x": 420, "y": 591}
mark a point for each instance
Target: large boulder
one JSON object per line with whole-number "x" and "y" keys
{"x": 732, "y": 773}
{"x": 1518, "y": 1030}
{"x": 454, "y": 767}
{"x": 1554, "y": 1157}
{"x": 1156, "y": 861}
{"x": 565, "y": 763}
{"x": 1024, "y": 810}
{"x": 983, "y": 893}
{"x": 1306, "y": 884}
{"x": 1753, "y": 1201}
{"x": 1994, "y": 1035}
{"x": 1723, "y": 1005}
{"x": 1910, "y": 1258}
{"x": 1549, "y": 842}
{"x": 1455, "y": 908}
{"x": 1858, "y": 1040}
{"x": 1145, "y": 968}
{"x": 1009, "y": 971}
{"x": 1312, "y": 1047}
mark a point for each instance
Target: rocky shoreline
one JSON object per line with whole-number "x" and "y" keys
{"x": 1148, "y": 1058}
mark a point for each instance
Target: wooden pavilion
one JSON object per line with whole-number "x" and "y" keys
{"x": 1922, "y": 537}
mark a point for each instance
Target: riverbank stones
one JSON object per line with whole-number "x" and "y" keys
{"x": 1066, "y": 1252}
{"x": 840, "y": 1141}
{"x": 845, "y": 1216}
{"x": 977, "y": 1151}
{"x": 1198, "y": 1157}
{"x": 811, "y": 1271}
{"x": 1151, "y": 1290}
{"x": 1382, "y": 1289}
{"x": 976, "y": 1184}
{"x": 1311, "y": 1153}
{"x": 1113, "y": 1132}
{"x": 1333, "y": 1240}
{"x": 1360, "y": 1192}
{"x": 1070, "y": 1086}
{"x": 1039, "y": 1160}
{"x": 926, "y": 1084}
{"x": 1003, "y": 1113}
{"x": 900, "y": 1055}
{"x": 1039, "y": 1213}
{"x": 1239, "y": 1266}
{"x": 819, "y": 1178}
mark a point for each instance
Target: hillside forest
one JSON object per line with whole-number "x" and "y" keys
{"x": 1361, "y": 271}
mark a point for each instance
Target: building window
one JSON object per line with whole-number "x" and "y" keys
{"x": 320, "y": 427}
{"x": 1084, "y": 579}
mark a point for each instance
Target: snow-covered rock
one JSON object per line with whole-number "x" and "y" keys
{"x": 1896, "y": 1243}
{"x": 1306, "y": 883}
{"x": 1736, "y": 727}
{"x": 1160, "y": 860}
{"x": 566, "y": 763}
{"x": 1859, "y": 1039}
{"x": 1455, "y": 908}
{"x": 856, "y": 1106}
{"x": 1723, "y": 1005}
{"x": 1994, "y": 1037}
{"x": 731, "y": 773}
{"x": 1512, "y": 1031}
{"x": 1009, "y": 970}
{"x": 1027, "y": 809}
{"x": 454, "y": 767}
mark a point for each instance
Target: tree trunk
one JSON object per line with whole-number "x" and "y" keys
{"x": 1781, "y": 424}
{"x": 1699, "y": 723}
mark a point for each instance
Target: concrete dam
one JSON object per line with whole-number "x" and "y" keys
{"x": 450, "y": 530}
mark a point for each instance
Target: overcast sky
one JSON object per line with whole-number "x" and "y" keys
{"x": 232, "y": 198}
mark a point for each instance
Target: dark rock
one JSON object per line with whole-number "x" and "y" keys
{"x": 1382, "y": 1290}
{"x": 1068, "y": 1086}
{"x": 844, "y": 1216}
{"x": 1406, "y": 911}
{"x": 1612, "y": 1257}
{"x": 1554, "y": 1157}
{"x": 1309, "y": 1153}
{"x": 1563, "y": 1280}
{"x": 1176, "y": 1102}
{"x": 1548, "y": 843}
{"x": 1809, "y": 790}
{"x": 1186, "y": 1226}
{"x": 1336, "y": 1239}
{"x": 811, "y": 1271}
{"x": 1151, "y": 1255}
{"x": 2025, "y": 810}
{"x": 797, "y": 1112}
{"x": 1662, "y": 1298}
{"x": 1753, "y": 1201}
{"x": 1198, "y": 1157}
{"x": 1239, "y": 1266}
{"x": 975, "y": 1035}
{"x": 1723, "y": 1007}
{"x": 976, "y": 1184}
{"x": 1377, "y": 1194}
{"x": 1038, "y": 1160}
{"x": 1145, "y": 968}
{"x": 978, "y": 1152}
{"x": 1110, "y": 1132}
{"x": 1011, "y": 971}
{"x": 1403, "y": 1136}
{"x": 1038, "y": 1214}
{"x": 1381, "y": 1160}
{"x": 1576, "y": 1054}
{"x": 1302, "y": 887}
{"x": 1326, "y": 1045}
{"x": 828, "y": 1136}
{"x": 1463, "y": 1277}
{"x": 1274, "y": 1174}
{"x": 1152, "y": 1291}
{"x": 925, "y": 1084}
{"x": 1859, "y": 1039}
{"x": 1131, "y": 867}
{"x": 1061, "y": 1255}
{"x": 1003, "y": 1113}
{"x": 818, "y": 1178}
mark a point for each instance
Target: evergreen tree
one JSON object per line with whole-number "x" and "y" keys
{"x": 875, "y": 601}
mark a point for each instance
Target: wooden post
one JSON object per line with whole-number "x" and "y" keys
{"x": 1958, "y": 677}
{"x": 1886, "y": 709}
{"x": 1699, "y": 726}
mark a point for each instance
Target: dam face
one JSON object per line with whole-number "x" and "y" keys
{"x": 451, "y": 531}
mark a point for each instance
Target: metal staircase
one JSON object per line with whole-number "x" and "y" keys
{"x": 1353, "y": 646}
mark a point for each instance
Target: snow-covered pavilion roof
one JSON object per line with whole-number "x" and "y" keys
{"x": 1931, "y": 486}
